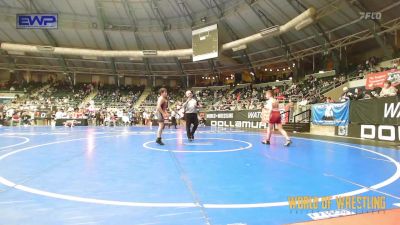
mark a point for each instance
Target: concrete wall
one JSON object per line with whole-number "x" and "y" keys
{"x": 138, "y": 80}
{"x": 173, "y": 83}
{"x": 26, "y": 75}
{"x": 322, "y": 130}
{"x": 390, "y": 63}
{"x": 110, "y": 80}
{"x": 160, "y": 82}
{"x": 329, "y": 73}
{"x": 83, "y": 78}
{"x": 128, "y": 81}
{"x": 357, "y": 83}
{"x": 336, "y": 92}
{"x": 95, "y": 79}
{"x": 38, "y": 77}
{"x": 4, "y": 75}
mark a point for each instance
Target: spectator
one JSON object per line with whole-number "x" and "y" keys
{"x": 329, "y": 100}
{"x": 388, "y": 90}
{"x": 347, "y": 95}
{"x": 15, "y": 119}
{"x": 376, "y": 90}
{"x": 367, "y": 95}
{"x": 358, "y": 94}
{"x": 26, "y": 118}
{"x": 60, "y": 114}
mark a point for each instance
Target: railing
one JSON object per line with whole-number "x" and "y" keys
{"x": 293, "y": 98}
{"x": 11, "y": 92}
{"x": 210, "y": 105}
{"x": 331, "y": 86}
{"x": 307, "y": 118}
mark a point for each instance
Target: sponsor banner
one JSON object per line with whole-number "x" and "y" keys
{"x": 376, "y": 111}
{"x": 248, "y": 115}
{"x": 76, "y": 122}
{"x": 238, "y": 124}
{"x": 42, "y": 115}
{"x": 369, "y": 131}
{"x": 37, "y": 21}
{"x": 237, "y": 119}
{"x": 330, "y": 114}
{"x": 376, "y": 79}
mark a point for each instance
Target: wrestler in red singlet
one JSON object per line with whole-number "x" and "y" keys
{"x": 274, "y": 119}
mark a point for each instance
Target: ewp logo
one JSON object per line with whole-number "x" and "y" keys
{"x": 37, "y": 21}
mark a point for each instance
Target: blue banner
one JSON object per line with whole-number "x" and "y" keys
{"x": 331, "y": 114}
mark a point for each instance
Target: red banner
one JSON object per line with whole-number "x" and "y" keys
{"x": 377, "y": 79}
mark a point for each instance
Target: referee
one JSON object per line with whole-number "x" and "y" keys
{"x": 191, "y": 107}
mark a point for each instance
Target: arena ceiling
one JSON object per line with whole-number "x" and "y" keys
{"x": 167, "y": 24}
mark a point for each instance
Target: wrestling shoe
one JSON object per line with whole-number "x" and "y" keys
{"x": 288, "y": 142}
{"x": 265, "y": 142}
{"x": 158, "y": 141}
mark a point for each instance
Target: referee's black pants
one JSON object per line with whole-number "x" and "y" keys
{"x": 191, "y": 118}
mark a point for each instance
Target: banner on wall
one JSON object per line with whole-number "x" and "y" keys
{"x": 330, "y": 114}
{"x": 375, "y": 119}
{"x": 42, "y": 115}
{"x": 379, "y": 111}
{"x": 76, "y": 122}
{"x": 237, "y": 119}
{"x": 377, "y": 79}
{"x": 370, "y": 131}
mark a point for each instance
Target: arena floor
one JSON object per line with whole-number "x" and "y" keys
{"x": 102, "y": 175}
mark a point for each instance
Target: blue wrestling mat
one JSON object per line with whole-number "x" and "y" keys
{"x": 102, "y": 175}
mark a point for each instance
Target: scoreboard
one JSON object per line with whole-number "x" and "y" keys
{"x": 205, "y": 43}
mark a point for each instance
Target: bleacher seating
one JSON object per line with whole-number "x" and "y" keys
{"x": 111, "y": 100}
{"x": 112, "y": 96}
